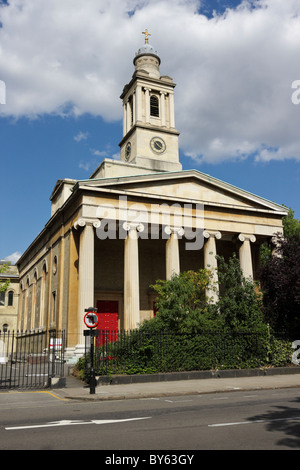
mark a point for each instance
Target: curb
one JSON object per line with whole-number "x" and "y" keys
{"x": 194, "y": 375}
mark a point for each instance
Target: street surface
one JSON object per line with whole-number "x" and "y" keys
{"x": 259, "y": 420}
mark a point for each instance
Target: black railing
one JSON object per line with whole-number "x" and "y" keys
{"x": 30, "y": 359}
{"x": 132, "y": 352}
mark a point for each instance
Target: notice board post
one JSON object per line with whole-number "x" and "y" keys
{"x": 91, "y": 321}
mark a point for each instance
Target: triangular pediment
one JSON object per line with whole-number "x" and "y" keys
{"x": 187, "y": 186}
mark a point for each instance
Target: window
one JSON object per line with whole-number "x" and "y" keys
{"x": 54, "y": 269}
{"x": 5, "y": 328}
{"x": 2, "y": 299}
{"x": 53, "y": 310}
{"x": 10, "y": 298}
{"x": 154, "y": 106}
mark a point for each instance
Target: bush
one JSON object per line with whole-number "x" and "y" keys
{"x": 149, "y": 352}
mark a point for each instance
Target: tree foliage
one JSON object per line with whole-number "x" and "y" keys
{"x": 291, "y": 225}
{"x": 291, "y": 228}
{"x": 4, "y": 285}
{"x": 240, "y": 301}
{"x": 280, "y": 281}
{"x": 183, "y": 306}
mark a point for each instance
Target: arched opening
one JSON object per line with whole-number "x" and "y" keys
{"x": 154, "y": 106}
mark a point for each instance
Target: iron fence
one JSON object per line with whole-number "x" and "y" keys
{"x": 30, "y": 359}
{"x": 136, "y": 352}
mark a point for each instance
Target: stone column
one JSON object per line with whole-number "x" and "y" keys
{"x": 131, "y": 276}
{"x": 163, "y": 108}
{"x": 85, "y": 272}
{"x": 210, "y": 262}
{"x": 124, "y": 120}
{"x": 172, "y": 251}
{"x": 138, "y": 103}
{"x": 147, "y": 104}
{"x": 133, "y": 109}
{"x": 245, "y": 254}
{"x": 128, "y": 116}
{"x": 172, "y": 111}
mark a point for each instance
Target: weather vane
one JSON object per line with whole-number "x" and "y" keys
{"x": 146, "y": 35}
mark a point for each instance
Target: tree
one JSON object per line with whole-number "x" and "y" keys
{"x": 291, "y": 225}
{"x": 240, "y": 301}
{"x": 4, "y": 285}
{"x": 182, "y": 305}
{"x": 280, "y": 282}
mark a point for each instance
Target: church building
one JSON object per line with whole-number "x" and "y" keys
{"x": 136, "y": 220}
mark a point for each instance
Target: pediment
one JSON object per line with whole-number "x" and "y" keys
{"x": 189, "y": 186}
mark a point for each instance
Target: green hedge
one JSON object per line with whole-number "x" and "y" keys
{"x": 156, "y": 352}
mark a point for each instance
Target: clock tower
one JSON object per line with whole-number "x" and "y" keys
{"x": 150, "y": 139}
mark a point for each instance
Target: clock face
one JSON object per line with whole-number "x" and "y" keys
{"x": 127, "y": 151}
{"x": 157, "y": 145}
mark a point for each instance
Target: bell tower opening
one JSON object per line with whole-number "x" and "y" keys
{"x": 154, "y": 106}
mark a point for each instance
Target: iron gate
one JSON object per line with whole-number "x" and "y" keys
{"x": 30, "y": 360}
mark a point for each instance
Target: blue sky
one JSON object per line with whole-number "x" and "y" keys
{"x": 64, "y": 69}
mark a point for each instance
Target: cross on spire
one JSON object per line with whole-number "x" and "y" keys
{"x": 146, "y": 35}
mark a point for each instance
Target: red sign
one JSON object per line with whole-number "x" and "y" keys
{"x": 91, "y": 319}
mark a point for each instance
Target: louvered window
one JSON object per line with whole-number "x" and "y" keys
{"x": 154, "y": 106}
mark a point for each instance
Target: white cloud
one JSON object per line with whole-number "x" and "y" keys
{"x": 234, "y": 72}
{"x": 2, "y": 92}
{"x": 93, "y": 163}
{"x": 81, "y": 136}
{"x": 100, "y": 153}
{"x": 14, "y": 257}
{"x": 86, "y": 166}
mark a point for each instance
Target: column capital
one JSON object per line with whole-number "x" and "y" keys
{"x": 138, "y": 226}
{"x": 242, "y": 237}
{"x": 208, "y": 233}
{"x": 175, "y": 230}
{"x": 83, "y": 222}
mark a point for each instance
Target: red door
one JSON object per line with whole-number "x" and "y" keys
{"x": 108, "y": 314}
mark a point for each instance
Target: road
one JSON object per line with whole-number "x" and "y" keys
{"x": 260, "y": 420}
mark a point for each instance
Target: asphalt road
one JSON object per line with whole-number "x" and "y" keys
{"x": 260, "y": 420}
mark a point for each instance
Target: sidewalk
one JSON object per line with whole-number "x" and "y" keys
{"x": 76, "y": 390}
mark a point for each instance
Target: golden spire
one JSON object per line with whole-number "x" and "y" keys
{"x": 146, "y": 35}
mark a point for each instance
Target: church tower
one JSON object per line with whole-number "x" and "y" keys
{"x": 150, "y": 139}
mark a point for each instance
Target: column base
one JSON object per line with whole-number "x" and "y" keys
{"x": 72, "y": 355}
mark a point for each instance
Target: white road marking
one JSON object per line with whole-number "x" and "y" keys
{"x": 296, "y": 418}
{"x": 66, "y": 422}
{"x": 178, "y": 401}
